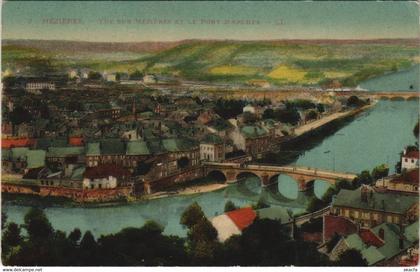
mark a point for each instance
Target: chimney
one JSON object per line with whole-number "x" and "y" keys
{"x": 364, "y": 194}
{"x": 382, "y": 234}
{"x": 401, "y": 237}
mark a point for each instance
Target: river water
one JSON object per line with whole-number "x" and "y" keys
{"x": 374, "y": 137}
{"x": 407, "y": 80}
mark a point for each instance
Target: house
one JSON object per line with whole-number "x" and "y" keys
{"x": 18, "y": 142}
{"x": 61, "y": 157}
{"x": 72, "y": 73}
{"x": 259, "y": 83}
{"x": 378, "y": 244}
{"x": 173, "y": 155}
{"x": 212, "y": 148}
{"x": 249, "y": 108}
{"x": 150, "y": 79}
{"x": 14, "y": 160}
{"x": 219, "y": 126}
{"x": 370, "y": 208}
{"x": 410, "y": 159}
{"x": 233, "y": 222}
{"x": 336, "y": 225}
{"x": 408, "y": 182}
{"x": 6, "y": 129}
{"x": 252, "y": 139}
{"x": 34, "y": 85}
{"x": 104, "y": 176}
{"x": 111, "y": 77}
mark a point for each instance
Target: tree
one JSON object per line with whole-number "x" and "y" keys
{"x": 20, "y": 115}
{"x": 203, "y": 231}
{"x": 3, "y": 219}
{"x": 249, "y": 118}
{"x": 289, "y": 115}
{"x": 380, "y": 171}
{"x": 192, "y": 215}
{"x": 416, "y": 130}
{"x": 11, "y": 237}
{"x": 354, "y": 101}
{"x": 37, "y": 225}
{"x": 316, "y": 204}
{"x": 230, "y": 206}
{"x": 88, "y": 241}
{"x": 75, "y": 236}
{"x": 268, "y": 114}
{"x": 136, "y": 75}
{"x": 311, "y": 115}
{"x": 351, "y": 257}
{"x": 364, "y": 178}
{"x": 320, "y": 107}
{"x": 94, "y": 75}
{"x": 260, "y": 204}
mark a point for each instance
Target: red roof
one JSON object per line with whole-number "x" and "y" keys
{"x": 412, "y": 177}
{"x": 370, "y": 238}
{"x": 412, "y": 154}
{"x": 336, "y": 224}
{"x": 242, "y": 217}
{"x": 76, "y": 141}
{"x": 105, "y": 170}
{"x": 22, "y": 142}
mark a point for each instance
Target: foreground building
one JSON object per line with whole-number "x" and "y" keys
{"x": 370, "y": 208}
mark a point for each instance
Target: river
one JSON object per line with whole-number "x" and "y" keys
{"x": 407, "y": 80}
{"x": 374, "y": 137}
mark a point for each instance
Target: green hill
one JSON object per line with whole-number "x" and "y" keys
{"x": 278, "y": 62}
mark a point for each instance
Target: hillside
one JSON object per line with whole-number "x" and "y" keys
{"x": 295, "y": 62}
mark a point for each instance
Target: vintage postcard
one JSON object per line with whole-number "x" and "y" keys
{"x": 207, "y": 133}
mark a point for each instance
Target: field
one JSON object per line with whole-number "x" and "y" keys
{"x": 278, "y": 62}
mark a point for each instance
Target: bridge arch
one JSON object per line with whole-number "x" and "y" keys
{"x": 287, "y": 186}
{"x": 397, "y": 98}
{"x": 217, "y": 175}
{"x": 249, "y": 183}
{"x": 412, "y": 98}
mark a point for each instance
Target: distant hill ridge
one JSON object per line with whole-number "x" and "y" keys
{"x": 156, "y": 46}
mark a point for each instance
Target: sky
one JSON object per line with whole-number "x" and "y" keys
{"x": 169, "y": 21}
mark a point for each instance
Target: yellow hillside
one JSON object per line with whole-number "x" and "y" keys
{"x": 233, "y": 70}
{"x": 287, "y": 73}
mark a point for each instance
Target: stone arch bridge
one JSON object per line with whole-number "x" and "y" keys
{"x": 268, "y": 174}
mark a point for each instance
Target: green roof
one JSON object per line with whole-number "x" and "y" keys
{"x": 35, "y": 158}
{"x": 376, "y": 201}
{"x": 175, "y": 145}
{"x": 65, "y": 151}
{"x": 19, "y": 152}
{"x": 137, "y": 148}
{"x": 147, "y": 114}
{"x": 372, "y": 255}
{"x": 411, "y": 232}
{"x": 212, "y": 139}
{"x": 275, "y": 213}
{"x": 391, "y": 238}
{"x": 93, "y": 149}
{"x": 219, "y": 124}
{"x": 112, "y": 146}
{"x": 78, "y": 173}
{"x": 354, "y": 241}
{"x": 5, "y": 154}
{"x": 253, "y": 131}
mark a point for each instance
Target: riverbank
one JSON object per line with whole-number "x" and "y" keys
{"x": 195, "y": 189}
{"x": 330, "y": 118}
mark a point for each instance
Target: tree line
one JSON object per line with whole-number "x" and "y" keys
{"x": 264, "y": 243}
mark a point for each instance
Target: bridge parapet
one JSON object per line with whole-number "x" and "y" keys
{"x": 303, "y": 175}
